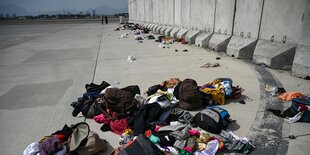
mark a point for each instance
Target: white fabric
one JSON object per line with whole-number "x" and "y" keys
{"x": 296, "y": 118}
{"x": 211, "y": 148}
{"x": 169, "y": 150}
{"x": 103, "y": 91}
{"x": 163, "y": 104}
{"x": 32, "y": 149}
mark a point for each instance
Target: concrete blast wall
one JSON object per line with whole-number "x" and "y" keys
{"x": 146, "y": 11}
{"x": 170, "y": 11}
{"x": 291, "y": 21}
{"x": 177, "y": 12}
{"x": 185, "y": 13}
{"x": 224, "y": 14}
{"x": 265, "y": 31}
{"x": 202, "y": 14}
{"x": 247, "y": 18}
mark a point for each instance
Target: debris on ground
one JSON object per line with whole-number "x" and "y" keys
{"x": 213, "y": 64}
{"x": 131, "y": 58}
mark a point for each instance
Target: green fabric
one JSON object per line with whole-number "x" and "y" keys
{"x": 80, "y": 133}
{"x": 183, "y": 152}
{"x": 154, "y": 139}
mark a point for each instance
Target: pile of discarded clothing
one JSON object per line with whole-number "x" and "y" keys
{"x": 77, "y": 139}
{"x": 162, "y": 115}
{"x": 299, "y": 111}
{"x": 129, "y": 26}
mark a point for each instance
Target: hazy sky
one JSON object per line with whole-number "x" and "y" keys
{"x": 52, "y": 5}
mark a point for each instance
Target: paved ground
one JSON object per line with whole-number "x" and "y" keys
{"x": 43, "y": 68}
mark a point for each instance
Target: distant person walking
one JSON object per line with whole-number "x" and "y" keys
{"x": 102, "y": 20}
{"x": 106, "y": 19}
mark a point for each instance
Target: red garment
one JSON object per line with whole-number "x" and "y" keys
{"x": 61, "y": 137}
{"x": 118, "y": 126}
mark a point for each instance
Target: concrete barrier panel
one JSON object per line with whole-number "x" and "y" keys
{"x": 162, "y": 30}
{"x": 246, "y": 28}
{"x": 196, "y": 13}
{"x": 240, "y": 47}
{"x": 168, "y": 30}
{"x": 150, "y": 11}
{"x": 286, "y": 18}
{"x": 147, "y": 11}
{"x": 202, "y": 14}
{"x": 134, "y": 9}
{"x": 177, "y": 12}
{"x": 174, "y": 32}
{"x": 301, "y": 64}
{"x": 286, "y": 23}
{"x": 129, "y": 10}
{"x": 170, "y": 12}
{"x": 247, "y": 18}
{"x": 274, "y": 54}
{"x": 185, "y": 13}
{"x": 182, "y": 33}
{"x": 224, "y": 14}
{"x": 219, "y": 42}
{"x": 141, "y": 10}
{"x": 208, "y": 15}
{"x": 161, "y": 11}
{"x": 156, "y": 11}
{"x": 203, "y": 39}
{"x": 191, "y": 36}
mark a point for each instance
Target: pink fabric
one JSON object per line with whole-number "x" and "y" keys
{"x": 101, "y": 119}
{"x": 194, "y": 133}
{"x": 157, "y": 128}
{"x": 188, "y": 149}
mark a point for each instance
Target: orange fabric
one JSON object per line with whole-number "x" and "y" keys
{"x": 171, "y": 82}
{"x": 288, "y": 96}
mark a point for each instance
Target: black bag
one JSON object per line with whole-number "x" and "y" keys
{"x": 189, "y": 95}
{"x": 153, "y": 89}
{"x": 141, "y": 146}
{"x": 213, "y": 119}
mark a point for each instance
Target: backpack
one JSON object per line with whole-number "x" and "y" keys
{"x": 141, "y": 146}
{"x": 293, "y": 109}
{"x": 83, "y": 141}
{"x": 213, "y": 119}
{"x": 119, "y": 101}
{"x": 189, "y": 95}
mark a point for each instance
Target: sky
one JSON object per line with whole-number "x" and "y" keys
{"x": 52, "y": 5}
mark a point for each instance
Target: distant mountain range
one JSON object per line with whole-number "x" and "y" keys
{"x": 110, "y": 9}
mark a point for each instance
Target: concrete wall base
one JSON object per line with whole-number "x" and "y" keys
{"x": 182, "y": 33}
{"x": 162, "y": 30}
{"x": 157, "y": 29}
{"x": 242, "y": 48}
{"x": 146, "y": 25}
{"x": 301, "y": 63}
{"x": 154, "y": 28}
{"x": 168, "y": 30}
{"x": 174, "y": 32}
{"x": 149, "y": 26}
{"x": 274, "y": 54}
{"x": 219, "y": 42}
{"x": 203, "y": 39}
{"x": 191, "y": 36}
